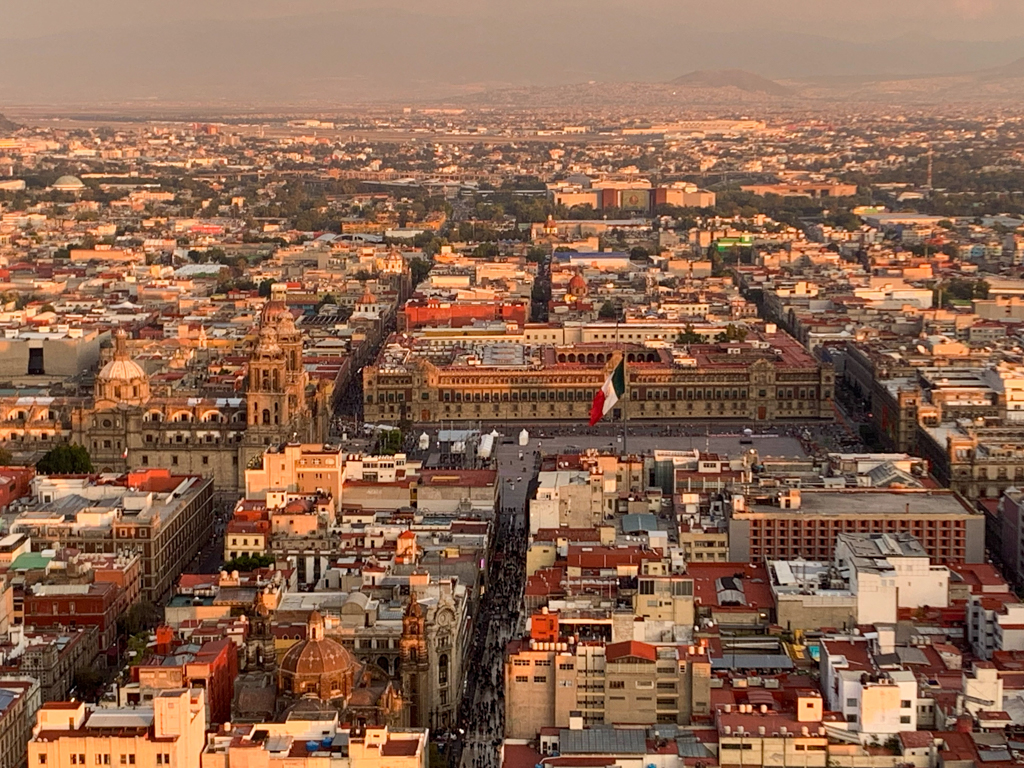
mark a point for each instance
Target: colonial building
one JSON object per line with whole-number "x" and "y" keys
{"x": 769, "y": 378}
{"x": 127, "y": 425}
{"x": 320, "y": 668}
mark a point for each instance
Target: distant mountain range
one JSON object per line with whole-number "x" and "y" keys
{"x": 8, "y": 125}
{"x": 740, "y": 79}
{"x": 721, "y": 87}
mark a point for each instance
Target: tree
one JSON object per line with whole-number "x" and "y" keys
{"x": 264, "y": 289}
{"x": 732, "y": 333}
{"x": 535, "y": 255}
{"x": 89, "y": 684}
{"x": 607, "y": 311}
{"x": 420, "y": 269}
{"x": 689, "y": 335}
{"x": 65, "y": 460}
{"x": 247, "y": 563}
{"x": 141, "y": 617}
{"x": 638, "y": 253}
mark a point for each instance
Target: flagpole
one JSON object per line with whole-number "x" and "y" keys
{"x": 625, "y": 401}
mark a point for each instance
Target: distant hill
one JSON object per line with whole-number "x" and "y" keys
{"x": 1009, "y": 71}
{"x": 8, "y": 125}
{"x": 732, "y": 78}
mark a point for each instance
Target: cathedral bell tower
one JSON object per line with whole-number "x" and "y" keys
{"x": 276, "y": 398}
{"x": 414, "y": 665}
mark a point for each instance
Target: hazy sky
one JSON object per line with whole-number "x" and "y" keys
{"x": 274, "y": 51}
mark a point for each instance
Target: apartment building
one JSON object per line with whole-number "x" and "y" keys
{"x": 166, "y": 518}
{"x": 314, "y": 742}
{"x": 627, "y": 682}
{"x": 783, "y": 525}
{"x": 19, "y": 700}
{"x": 170, "y": 733}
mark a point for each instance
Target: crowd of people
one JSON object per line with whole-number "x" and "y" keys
{"x": 500, "y": 619}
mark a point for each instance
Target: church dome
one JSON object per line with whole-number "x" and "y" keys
{"x": 121, "y": 370}
{"x": 122, "y": 380}
{"x": 68, "y": 184}
{"x": 122, "y": 367}
{"x": 577, "y": 285}
{"x": 318, "y": 665}
{"x": 367, "y": 297}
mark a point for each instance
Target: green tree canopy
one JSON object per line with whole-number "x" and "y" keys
{"x": 247, "y": 563}
{"x": 65, "y": 460}
{"x": 607, "y": 311}
{"x": 420, "y": 269}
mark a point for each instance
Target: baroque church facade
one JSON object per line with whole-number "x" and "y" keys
{"x": 125, "y": 426}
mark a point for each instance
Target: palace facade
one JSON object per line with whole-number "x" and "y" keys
{"x": 768, "y": 378}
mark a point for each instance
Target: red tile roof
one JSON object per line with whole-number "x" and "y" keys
{"x": 630, "y": 649}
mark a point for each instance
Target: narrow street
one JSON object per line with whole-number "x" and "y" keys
{"x": 482, "y": 715}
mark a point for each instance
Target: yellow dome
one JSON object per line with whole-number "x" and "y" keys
{"x": 122, "y": 367}
{"x": 121, "y": 370}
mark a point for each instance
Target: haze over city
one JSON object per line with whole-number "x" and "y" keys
{"x": 314, "y": 51}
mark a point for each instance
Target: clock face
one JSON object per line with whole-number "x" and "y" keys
{"x": 444, "y": 618}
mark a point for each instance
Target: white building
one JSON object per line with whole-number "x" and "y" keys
{"x": 887, "y": 572}
{"x": 994, "y": 625}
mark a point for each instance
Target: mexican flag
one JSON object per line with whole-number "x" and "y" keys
{"x": 609, "y": 393}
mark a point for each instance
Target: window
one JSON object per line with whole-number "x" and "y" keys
{"x": 905, "y": 704}
{"x": 565, "y": 666}
{"x": 174, "y": 460}
{"x": 522, "y": 679}
{"x": 42, "y": 759}
{"x": 540, "y": 679}
{"x": 851, "y": 702}
{"x": 206, "y": 460}
{"x": 616, "y": 685}
{"x": 851, "y": 718}
{"x": 905, "y": 719}
{"x": 145, "y": 460}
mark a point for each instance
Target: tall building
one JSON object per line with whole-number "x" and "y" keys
{"x": 19, "y": 700}
{"x": 549, "y": 677}
{"x": 170, "y": 733}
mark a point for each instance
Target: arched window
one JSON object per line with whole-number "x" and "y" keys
{"x": 442, "y": 669}
{"x": 266, "y": 416}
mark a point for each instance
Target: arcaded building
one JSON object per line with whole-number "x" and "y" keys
{"x": 769, "y": 377}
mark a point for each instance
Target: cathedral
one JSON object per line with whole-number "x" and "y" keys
{"x": 124, "y": 425}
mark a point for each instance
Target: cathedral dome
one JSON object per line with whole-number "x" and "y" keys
{"x": 122, "y": 380}
{"x": 122, "y": 367}
{"x": 121, "y": 370}
{"x": 577, "y": 285}
{"x": 318, "y": 665}
{"x": 367, "y": 297}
